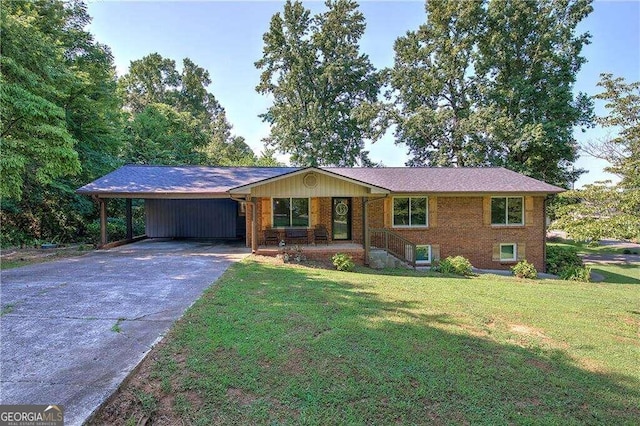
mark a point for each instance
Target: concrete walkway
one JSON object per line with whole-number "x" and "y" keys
{"x": 73, "y": 329}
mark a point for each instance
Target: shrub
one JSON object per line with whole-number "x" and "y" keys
{"x": 458, "y": 265}
{"x": 343, "y": 262}
{"x": 116, "y": 230}
{"x": 576, "y": 273}
{"x": 524, "y": 269}
{"x": 560, "y": 258}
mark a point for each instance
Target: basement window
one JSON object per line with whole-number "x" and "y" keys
{"x": 508, "y": 252}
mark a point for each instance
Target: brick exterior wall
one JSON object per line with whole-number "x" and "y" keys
{"x": 460, "y": 230}
{"x": 457, "y": 227}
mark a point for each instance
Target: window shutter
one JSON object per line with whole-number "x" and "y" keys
{"x": 315, "y": 211}
{"x": 388, "y": 211}
{"x": 521, "y": 251}
{"x": 528, "y": 211}
{"x": 433, "y": 211}
{"x": 266, "y": 213}
{"x": 486, "y": 212}
{"x": 435, "y": 252}
{"x": 496, "y": 252}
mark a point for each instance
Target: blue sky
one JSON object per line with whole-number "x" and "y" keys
{"x": 226, "y": 39}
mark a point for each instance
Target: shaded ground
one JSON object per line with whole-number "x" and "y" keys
{"x": 73, "y": 329}
{"x": 16, "y": 257}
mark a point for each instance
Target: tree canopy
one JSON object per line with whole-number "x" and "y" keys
{"x": 491, "y": 82}
{"x": 313, "y": 69}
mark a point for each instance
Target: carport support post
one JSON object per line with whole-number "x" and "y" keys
{"x": 103, "y": 221}
{"x": 129, "y": 219}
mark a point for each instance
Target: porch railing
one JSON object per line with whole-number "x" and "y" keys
{"x": 393, "y": 244}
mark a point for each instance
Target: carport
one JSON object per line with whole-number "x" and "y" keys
{"x": 180, "y": 202}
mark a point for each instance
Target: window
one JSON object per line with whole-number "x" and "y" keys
{"x": 410, "y": 211}
{"x": 508, "y": 252}
{"x": 507, "y": 211}
{"x": 290, "y": 212}
{"x": 423, "y": 254}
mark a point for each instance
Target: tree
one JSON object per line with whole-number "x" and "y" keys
{"x": 34, "y": 140}
{"x": 60, "y": 114}
{"x": 437, "y": 112}
{"x": 319, "y": 81}
{"x": 623, "y": 150}
{"x": 174, "y": 119}
{"x": 530, "y": 54}
{"x": 490, "y": 83}
{"x": 602, "y": 211}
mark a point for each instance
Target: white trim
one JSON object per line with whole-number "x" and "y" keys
{"x": 273, "y": 222}
{"x": 515, "y": 252}
{"x": 424, "y": 262}
{"x": 410, "y": 226}
{"x": 506, "y": 211}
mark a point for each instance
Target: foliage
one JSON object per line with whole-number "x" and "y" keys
{"x": 458, "y": 265}
{"x": 320, "y": 84}
{"x": 602, "y": 211}
{"x": 490, "y": 82}
{"x": 531, "y": 54}
{"x": 34, "y": 83}
{"x": 562, "y": 258}
{"x": 343, "y": 262}
{"x": 524, "y": 269}
{"x": 173, "y": 119}
{"x": 437, "y": 93}
{"x": 576, "y": 273}
{"x": 623, "y": 150}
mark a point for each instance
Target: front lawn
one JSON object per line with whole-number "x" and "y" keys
{"x": 271, "y": 344}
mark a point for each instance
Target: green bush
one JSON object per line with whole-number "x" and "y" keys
{"x": 343, "y": 262}
{"x": 458, "y": 265}
{"x": 116, "y": 230}
{"x": 524, "y": 269}
{"x": 560, "y": 258}
{"x": 576, "y": 273}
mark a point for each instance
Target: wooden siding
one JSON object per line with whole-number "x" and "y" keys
{"x": 294, "y": 186}
{"x": 191, "y": 218}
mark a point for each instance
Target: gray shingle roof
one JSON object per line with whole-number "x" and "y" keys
{"x": 197, "y": 180}
{"x": 447, "y": 180}
{"x": 201, "y": 181}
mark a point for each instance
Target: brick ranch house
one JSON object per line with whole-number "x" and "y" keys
{"x": 492, "y": 216}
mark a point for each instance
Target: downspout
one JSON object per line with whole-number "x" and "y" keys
{"x": 365, "y": 225}
{"x": 544, "y": 232}
{"x": 254, "y": 223}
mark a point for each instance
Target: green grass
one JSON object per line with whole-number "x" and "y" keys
{"x": 273, "y": 344}
{"x": 618, "y": 273}
{"x": 586, "y": 248}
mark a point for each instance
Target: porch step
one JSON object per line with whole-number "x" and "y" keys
{"x": 380, "y": 259}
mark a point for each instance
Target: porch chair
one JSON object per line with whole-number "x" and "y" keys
{"x": 271, "y": 237}
{"x": 320, "y": 233}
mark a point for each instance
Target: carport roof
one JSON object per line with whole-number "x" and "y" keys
{"x": 138, "y": 181}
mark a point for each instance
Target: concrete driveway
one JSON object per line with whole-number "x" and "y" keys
{"x": 72, "y": 330}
